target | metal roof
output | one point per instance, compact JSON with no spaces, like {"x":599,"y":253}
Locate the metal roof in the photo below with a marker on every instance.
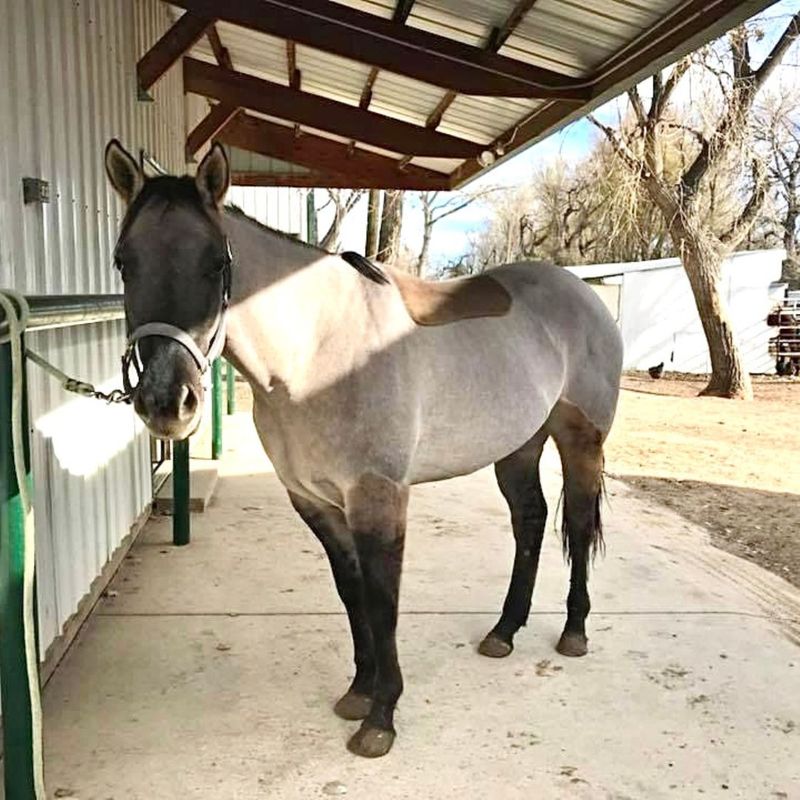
{"x":601,"y":47}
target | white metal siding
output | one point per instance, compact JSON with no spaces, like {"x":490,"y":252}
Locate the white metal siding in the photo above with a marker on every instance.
{"x":658,"y":317}
{"x":281,"y":208}
{"x":68,"y":84}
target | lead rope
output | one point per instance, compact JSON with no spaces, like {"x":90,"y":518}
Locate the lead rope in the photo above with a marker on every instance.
{"x":17,"y":321}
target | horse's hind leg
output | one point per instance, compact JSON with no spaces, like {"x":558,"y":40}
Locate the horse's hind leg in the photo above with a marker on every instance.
{"x":328,"y":525}
{"x":580,"y":445}
{"x":518,"y":478}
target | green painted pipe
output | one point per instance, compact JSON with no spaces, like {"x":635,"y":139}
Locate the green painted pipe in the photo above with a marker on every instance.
{"x":21,"y":736}
{"x":216,"y":409}
{"x":181,"y":523}
{"x":230,"y":378}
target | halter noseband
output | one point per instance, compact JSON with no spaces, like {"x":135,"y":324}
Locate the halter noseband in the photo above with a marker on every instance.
{"x":169,"y":331}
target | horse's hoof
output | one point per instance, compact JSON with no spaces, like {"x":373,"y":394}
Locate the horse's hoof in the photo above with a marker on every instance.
{"x":353,"y":706}
{"x":572,"y":644}
{"x":494,"y":647}
{"x":371,"y":742}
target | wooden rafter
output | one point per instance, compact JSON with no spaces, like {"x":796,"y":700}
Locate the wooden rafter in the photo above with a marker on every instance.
{"x":220,"y":114}
{"x":364,"y":37}
{"x":178,"y":40}
{"x":319,"y":112}
{"x":497,"y":38}
{"x":401,"y":12}
{"x":221,"y":52}
{"x":209,"y":127}
{"x":359,"y":169}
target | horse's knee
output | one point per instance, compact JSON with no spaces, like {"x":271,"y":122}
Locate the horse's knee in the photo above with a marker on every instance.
{"x":376,"y":505}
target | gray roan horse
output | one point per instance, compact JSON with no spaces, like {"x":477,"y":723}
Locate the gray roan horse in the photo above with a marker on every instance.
{"x":366,"y":381}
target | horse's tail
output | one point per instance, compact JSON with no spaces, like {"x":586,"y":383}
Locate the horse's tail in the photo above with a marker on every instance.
{"x":597,"y":543}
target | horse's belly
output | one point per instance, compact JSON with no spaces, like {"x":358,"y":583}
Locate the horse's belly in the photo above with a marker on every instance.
{"x":481,"y":406}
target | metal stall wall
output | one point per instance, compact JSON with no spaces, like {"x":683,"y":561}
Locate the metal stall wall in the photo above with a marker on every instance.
{"x":278,"y":207}
{"x":68,"y":84}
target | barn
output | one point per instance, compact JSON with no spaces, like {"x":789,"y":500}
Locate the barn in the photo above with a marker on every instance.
{"x":654,"y":307}
{"x":303,"y":94}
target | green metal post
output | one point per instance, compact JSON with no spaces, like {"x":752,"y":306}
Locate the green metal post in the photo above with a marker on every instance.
{"x":21,"y":710}
{"x":230,"y":379}
{"x":181,"y":524}
{"x":312,"y":235}
{"x":216,"y":409}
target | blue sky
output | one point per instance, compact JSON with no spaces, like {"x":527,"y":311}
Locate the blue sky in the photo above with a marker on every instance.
{"x":450,"y":236}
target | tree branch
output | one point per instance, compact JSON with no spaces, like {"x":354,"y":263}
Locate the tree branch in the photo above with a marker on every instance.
{"x":751,"y":210}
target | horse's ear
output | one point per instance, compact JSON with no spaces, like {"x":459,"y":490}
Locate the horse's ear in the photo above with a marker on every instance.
{"x":214,"y":176}
{"x":123,"y":171}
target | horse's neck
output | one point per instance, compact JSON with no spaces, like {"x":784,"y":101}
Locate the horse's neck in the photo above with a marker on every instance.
{"x":287,"y":298}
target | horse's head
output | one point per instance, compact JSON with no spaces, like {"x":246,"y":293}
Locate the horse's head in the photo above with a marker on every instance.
{"x":174,"y":259}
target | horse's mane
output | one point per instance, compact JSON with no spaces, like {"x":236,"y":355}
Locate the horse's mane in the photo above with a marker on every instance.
{"x":235,"y":211}
{"x":363,"y":265}
{"x":355,"y":260}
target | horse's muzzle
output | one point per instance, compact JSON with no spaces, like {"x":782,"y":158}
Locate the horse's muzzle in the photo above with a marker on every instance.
{"x":169,"y":411}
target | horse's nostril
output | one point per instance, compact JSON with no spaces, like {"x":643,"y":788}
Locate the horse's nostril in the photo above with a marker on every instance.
{"x":187,"y":403}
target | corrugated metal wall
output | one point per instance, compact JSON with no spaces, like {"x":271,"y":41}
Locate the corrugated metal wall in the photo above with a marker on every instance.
{"x":278,"y":207}
{"x":67,"y":84}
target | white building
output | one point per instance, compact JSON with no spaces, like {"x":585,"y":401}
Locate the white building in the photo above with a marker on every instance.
{"x":655,"y":309}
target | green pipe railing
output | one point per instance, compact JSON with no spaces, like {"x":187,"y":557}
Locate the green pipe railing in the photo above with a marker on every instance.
{"x":21,"y":737}
{"x":230,"y":380}
{"x":216,"y":409}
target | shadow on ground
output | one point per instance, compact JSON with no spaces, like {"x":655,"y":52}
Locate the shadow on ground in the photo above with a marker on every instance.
{"x":761,"y":526}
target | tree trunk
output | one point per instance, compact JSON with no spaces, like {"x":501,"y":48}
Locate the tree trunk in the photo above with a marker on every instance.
{"x":373,"y":222}
{"x":330,"y":241}
{"x":703,"y":266}
{"x":427,"y":230}
{"x":391,"y":225}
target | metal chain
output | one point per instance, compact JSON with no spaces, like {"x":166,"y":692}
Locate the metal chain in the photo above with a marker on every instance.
{"x":78,"y":387}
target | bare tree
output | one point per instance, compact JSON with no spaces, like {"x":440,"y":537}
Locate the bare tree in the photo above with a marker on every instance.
{"x":716,"y":145}
{"x":391,"y":226}
{"x":436,"y":206}
{"x":373,"y":223}
{"x":779,"y":129}
{"x":343,"y":202}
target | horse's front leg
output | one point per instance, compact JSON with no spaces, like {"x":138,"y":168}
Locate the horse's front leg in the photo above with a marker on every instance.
{"x":375,"y":510}
{"x":329,"y":526}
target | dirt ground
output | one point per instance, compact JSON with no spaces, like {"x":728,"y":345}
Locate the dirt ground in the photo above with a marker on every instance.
{"x":731,"y":466}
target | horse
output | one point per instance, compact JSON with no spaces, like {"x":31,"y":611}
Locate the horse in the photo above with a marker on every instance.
{"x":366,"y":381}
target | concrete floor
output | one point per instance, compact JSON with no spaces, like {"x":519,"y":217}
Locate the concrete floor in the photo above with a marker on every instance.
{"x":212,"y":671}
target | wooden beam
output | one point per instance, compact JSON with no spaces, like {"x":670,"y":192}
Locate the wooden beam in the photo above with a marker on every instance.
{"x":401,"y":11}
{"x":178,"y":40}
{"x":366,"y":92}
{"x":497,"y":38}
{"x":205,"y":130}
{"x":413,"y":52}
{"x":324,"y":180}
{"x":322,"y":155}
{"x":221,"y":53}
{"x":293,"y":73}
{"x":319,"y":112}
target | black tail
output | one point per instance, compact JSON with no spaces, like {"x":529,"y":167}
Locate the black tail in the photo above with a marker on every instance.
{"x":597,"y":543}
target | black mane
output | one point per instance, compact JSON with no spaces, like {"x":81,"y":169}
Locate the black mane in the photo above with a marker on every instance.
{"x":363,"y":265}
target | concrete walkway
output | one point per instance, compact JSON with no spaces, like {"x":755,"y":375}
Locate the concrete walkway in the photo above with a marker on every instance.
{"x":211,"y":670}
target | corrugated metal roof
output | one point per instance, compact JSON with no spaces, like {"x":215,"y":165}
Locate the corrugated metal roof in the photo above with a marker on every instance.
{"x":574,"y":38}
